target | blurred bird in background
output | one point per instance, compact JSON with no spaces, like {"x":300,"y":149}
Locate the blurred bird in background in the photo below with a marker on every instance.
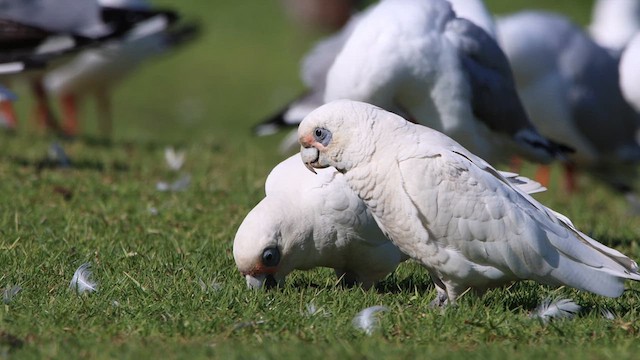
{"x":570,"y":88}
{"x":119,"y":33}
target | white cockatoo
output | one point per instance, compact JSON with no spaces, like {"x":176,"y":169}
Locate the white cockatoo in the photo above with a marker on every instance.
{"x":630,"y":72}
{"x":307,"y":221}
{"x":570,"y":88}
{"x":418,"y":59}
{"x":450,"y":210}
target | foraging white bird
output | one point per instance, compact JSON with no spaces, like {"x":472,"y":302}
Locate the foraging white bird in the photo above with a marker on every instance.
{"x":307,"y":221}
{"x":417,"y":59}
{"x":629,"y":68}
{"x":96,"y":71}
{"x":614,"y":22}
{"x":570,"y":88}
{"x":452,"y":211}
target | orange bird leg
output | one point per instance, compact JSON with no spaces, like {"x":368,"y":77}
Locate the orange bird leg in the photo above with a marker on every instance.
{"x":103,"y":104}
{"x":44,"y":114}
{"x":515,"y":164}
{"x":6,"y":107}
{"x":571,"y":179}
{"x":69,"y":105}
{"x":543,"y":174}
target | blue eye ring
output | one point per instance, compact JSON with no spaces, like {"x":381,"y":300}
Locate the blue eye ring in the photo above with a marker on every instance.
{"x":271,"y":257}
{"x":322,"y":135}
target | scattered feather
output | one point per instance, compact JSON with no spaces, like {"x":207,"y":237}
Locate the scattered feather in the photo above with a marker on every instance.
{"x":558,"y":309}
{"x":212,"y":285}
{"x":245,"y":324}
{"x":366,"y":319}
{"x":115,"y":303}
{"x":179,"y":185}
{"x":153,"y":210}
{"x":174,"y":159}
{"x":81,"y":281}
{"x":58,"y":156}
{"x":312,"y":309}
{"x":607,"y":314}
{"x":10,"y":292}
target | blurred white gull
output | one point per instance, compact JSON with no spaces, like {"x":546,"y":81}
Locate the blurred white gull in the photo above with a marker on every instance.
{"x":569,"y":86}
{"x":96,"y":71}
{"x":476,"y":12}
{"x":630,"y":72}
{"x":614,"y":22}
{"x":77,"y":17}
{"x":417,"y":59}
{"x":41,"y":32}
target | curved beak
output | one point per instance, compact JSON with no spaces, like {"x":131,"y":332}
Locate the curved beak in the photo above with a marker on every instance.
{"x":310,"y":156}
{"x":268,"y":281}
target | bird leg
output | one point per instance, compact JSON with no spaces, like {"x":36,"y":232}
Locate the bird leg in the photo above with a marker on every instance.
{"x":9,"y":113}
{"x":543,"y":175}
{"x":44,"y":114}
{"x":441,"y":299}
{"x":571,"y":179}
{"x":515,"y":164}
{"x":103,"y":104}
{"x":69,"y":104}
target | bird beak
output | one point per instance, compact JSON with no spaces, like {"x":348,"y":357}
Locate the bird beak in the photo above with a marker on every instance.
{"x":268,"y":281}
{"x":310,"y":156}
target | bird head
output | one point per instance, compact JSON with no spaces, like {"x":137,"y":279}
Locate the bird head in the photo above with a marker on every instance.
{"x":269,"y":244}
{"x":335,"y":134}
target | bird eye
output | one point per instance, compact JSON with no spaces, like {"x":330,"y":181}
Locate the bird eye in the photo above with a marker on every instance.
{"x":322,"y":136}
{"x":271,"y":257}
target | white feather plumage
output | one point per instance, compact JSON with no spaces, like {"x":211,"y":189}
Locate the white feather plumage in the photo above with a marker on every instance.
{"x":607,"y":314}
{"x":450,"y":210}
{"x":556,"y":309}
{"x":175,"y":159}
{"x":366,"y":319}
{"x":179,"y":185}
{"x":10,"y":292}
{"x":81,"y":281}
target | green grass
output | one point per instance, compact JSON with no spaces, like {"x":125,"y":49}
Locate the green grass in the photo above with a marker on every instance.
{"x":150,"y":304}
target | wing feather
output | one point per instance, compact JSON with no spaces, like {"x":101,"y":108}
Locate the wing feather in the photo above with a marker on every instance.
{"x":489,"y":221}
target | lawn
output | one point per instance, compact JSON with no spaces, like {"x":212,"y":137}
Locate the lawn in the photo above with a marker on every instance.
{"x":167,"y":283}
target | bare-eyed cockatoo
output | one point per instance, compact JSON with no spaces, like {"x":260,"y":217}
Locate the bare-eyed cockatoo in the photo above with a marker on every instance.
{"x":452,"y":211}
{"x":418,"y":59}
{"x":307,"y":221}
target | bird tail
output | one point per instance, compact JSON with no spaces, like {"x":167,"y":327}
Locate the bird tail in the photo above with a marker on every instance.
{"x":590,"y":265}
{"x":288,"y":116}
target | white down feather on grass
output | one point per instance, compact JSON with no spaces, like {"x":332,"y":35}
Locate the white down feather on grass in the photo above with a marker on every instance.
{"x":82,"y":280}
{"x":556,"y":309}
{"x":366,"y":320}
